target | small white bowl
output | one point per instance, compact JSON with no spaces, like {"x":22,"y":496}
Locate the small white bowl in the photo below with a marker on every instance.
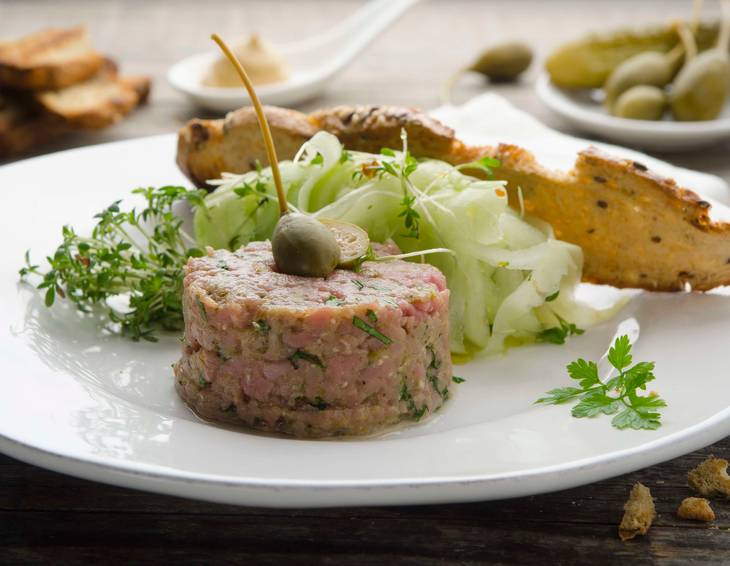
{"x":580,"y":109}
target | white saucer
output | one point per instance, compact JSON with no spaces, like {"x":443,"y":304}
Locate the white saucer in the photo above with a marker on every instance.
{"x":582,"y":111}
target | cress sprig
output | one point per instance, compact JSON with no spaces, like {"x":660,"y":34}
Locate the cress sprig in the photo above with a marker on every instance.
{"x":617,"y":396}
{"x":139,"y":254}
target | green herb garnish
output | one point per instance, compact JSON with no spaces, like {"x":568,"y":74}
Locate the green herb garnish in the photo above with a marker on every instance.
{"x":435,"y":362}
{"x":359,"y":284}
{"x":307,"y":357}
{"x":558,"y":334}
{"x":551,"y":298}
{"x":201,"y":308}
{"x":405,"y":395}
{"x":486,"y":164}
{"x":134,"y":255}
{"x":222,"y":354}
{"x":410,"y":217}
{"x":457,"y":379}
{"x":432,"y":374}
{"x":258,"y":189}
{"x":261,"y":326}
{"x":369,"y":255}
{"x":433,"y":380}
{"x":402,"y":168}
{"x":372,"y":331}
{"x":617,"y":396}
{"x":319,"y":403}
{"x":372,"y":317}
{"x":333,"y":301}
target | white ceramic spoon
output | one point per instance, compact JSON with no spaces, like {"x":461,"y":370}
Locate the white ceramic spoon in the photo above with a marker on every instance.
{"x":313,"y":62}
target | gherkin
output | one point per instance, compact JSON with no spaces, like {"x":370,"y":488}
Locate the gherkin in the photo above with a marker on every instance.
{"x":587,"y":63}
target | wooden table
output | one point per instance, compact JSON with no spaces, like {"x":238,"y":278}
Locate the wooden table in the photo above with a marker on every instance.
{"x":49,"y":517}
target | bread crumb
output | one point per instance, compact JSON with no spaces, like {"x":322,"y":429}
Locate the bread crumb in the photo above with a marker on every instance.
{"x":710,"y":478}
{"x":639,"y":512}
{"x":696,"y":509}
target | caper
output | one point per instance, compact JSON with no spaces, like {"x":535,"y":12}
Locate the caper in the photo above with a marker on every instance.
{"x":504,"y":61}
{"x":640,"y":103}
{"x":302,"y":245}
{"x":700,"y":91}
{"x":702,"y":86}
{"x":352,"y":240}
{"x":649,"y":68}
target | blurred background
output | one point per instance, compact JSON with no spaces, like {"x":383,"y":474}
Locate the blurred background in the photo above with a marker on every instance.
{"x":406,"y":65}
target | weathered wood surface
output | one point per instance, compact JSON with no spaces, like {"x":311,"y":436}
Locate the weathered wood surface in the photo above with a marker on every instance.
{"x":44,"y":516}
{"x":57,"y":519}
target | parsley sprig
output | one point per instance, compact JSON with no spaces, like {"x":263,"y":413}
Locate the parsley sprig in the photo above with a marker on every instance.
{"x":558,"y":334}
{"x":139,"y":255}
{"x":617,"y":396}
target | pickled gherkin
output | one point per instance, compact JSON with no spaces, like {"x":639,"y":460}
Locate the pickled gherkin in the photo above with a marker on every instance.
{"x":588,"y":62}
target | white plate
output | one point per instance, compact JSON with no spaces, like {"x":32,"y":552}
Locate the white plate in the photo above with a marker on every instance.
{"x":580,"y":110}
{"x":102,"y":407}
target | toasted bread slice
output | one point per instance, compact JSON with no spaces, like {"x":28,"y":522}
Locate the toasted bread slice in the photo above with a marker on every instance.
{"x":141,"y":84}
{"x":98,"y":102}
{"x":206,"y":148}
{"x":636,"y":229}
{"x":23,"y":127}
{"x":50,"y":59}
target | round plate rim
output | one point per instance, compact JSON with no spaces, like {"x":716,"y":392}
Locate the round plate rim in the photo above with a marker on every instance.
{"x":417,"y":490}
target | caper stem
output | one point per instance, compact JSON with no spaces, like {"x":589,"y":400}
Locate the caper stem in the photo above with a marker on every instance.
{"x":263,"y":123}
{"x":696,"y":14}
{"x":448,"y":85}
{"x":674,"y":56}
{"x":724,"y":38}
{"x":688,"y":41}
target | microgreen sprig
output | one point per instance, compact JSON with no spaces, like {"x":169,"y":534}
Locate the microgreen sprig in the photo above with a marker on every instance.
{"x":617,"y":396}
{"x":558,"y":334}
{"x":486,"y":164}
{"x":135,"y":254}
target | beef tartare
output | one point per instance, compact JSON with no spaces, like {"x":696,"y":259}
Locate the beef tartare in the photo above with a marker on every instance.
{"x":343,"y":355}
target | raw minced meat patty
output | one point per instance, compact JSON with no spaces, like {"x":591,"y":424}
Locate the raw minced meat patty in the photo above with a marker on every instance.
{"x":347,"y":354}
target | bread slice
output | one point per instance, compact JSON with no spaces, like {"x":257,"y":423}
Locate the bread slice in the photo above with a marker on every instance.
{"x":98,"y":102}
{"x":24,"y":127}
{"x":141,"y":84}
{"x":50,"y":59}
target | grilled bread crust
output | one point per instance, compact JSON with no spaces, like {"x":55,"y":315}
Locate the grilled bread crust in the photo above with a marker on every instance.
{"x":636,"y":229}
{"x":50,"y":59}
